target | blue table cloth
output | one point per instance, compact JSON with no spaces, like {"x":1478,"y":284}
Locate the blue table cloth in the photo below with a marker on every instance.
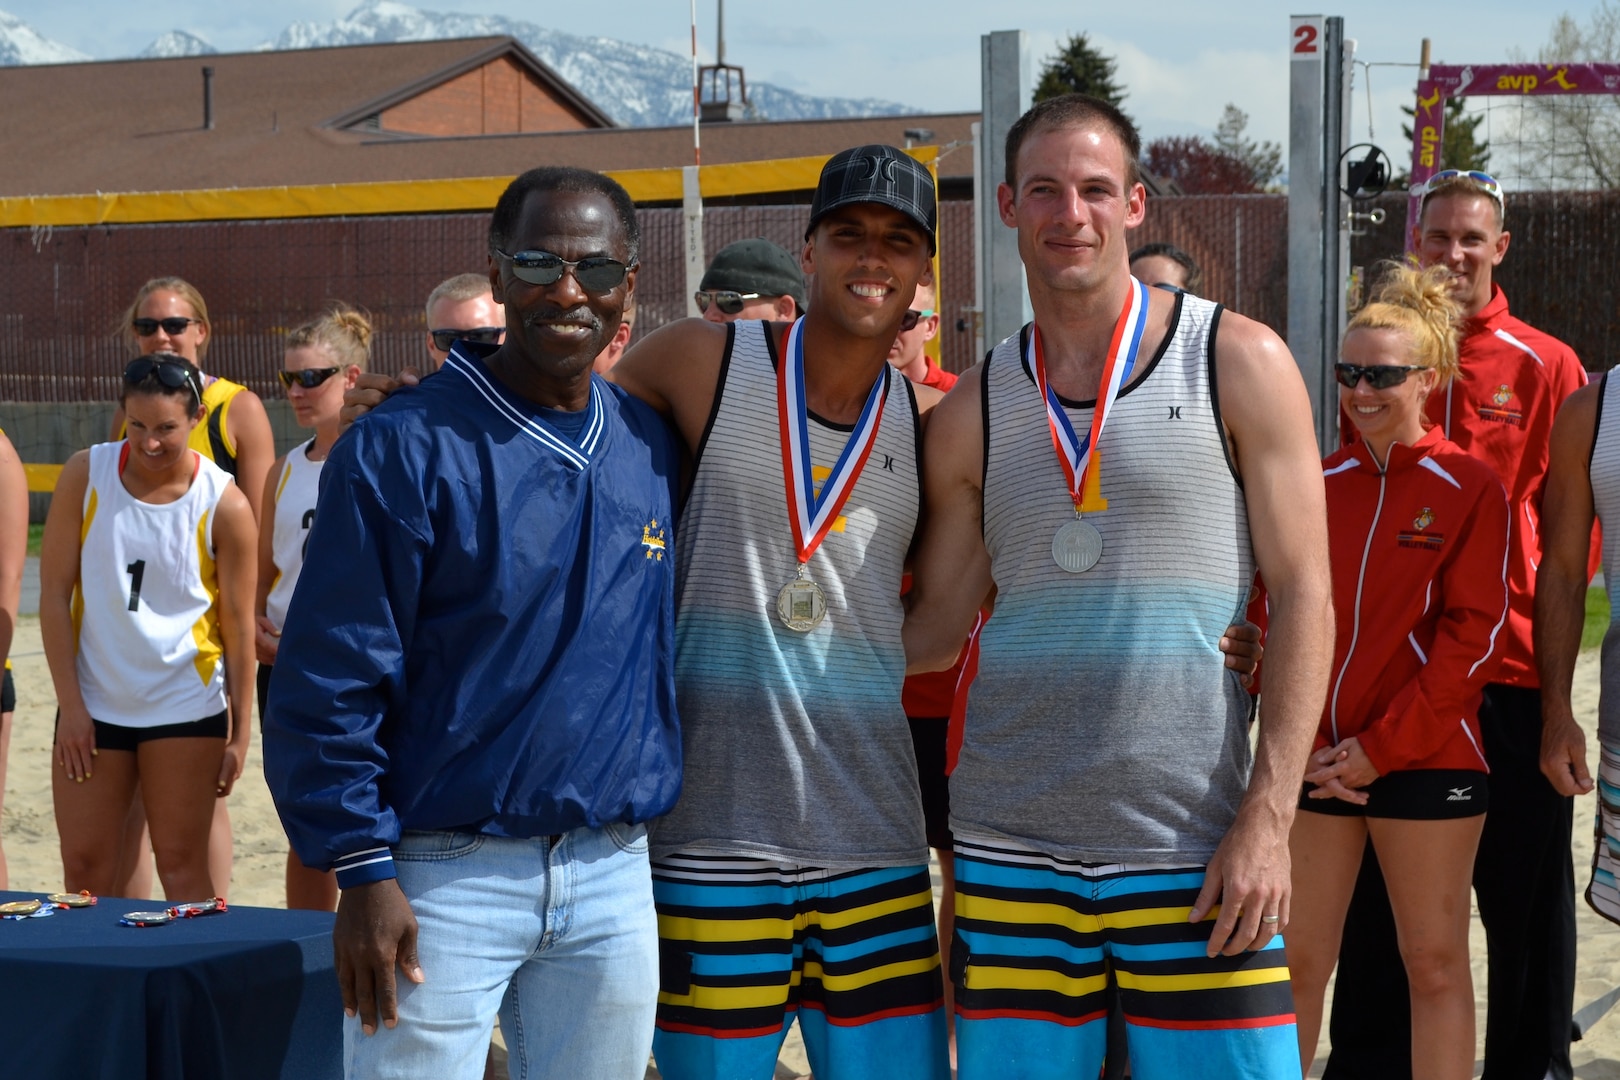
{"x":250,"y":993}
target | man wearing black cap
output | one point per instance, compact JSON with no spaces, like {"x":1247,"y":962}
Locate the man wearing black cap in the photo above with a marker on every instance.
{"x":792,"y":876}
{"x":752,"y":279}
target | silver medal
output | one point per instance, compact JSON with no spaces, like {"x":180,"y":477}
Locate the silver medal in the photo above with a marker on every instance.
{"x":801,"y":605}
{"x":1077,"y":546}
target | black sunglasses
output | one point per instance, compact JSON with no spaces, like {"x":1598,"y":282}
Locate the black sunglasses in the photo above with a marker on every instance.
{"x":484,"y":335}
{"x":173,"y":326}
{"x":171,"y":373}
{"x":728,"y":301}
{"x":912,"y":317}
{"x":309,"y":378}
{"x":597,"y":274}
{"x":1378,"y":376}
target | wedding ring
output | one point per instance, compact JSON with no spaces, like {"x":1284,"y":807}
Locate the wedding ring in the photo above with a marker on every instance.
{"x":1270,"y":918}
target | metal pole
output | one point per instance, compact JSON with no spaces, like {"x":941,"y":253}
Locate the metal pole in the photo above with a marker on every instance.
{"x":1306,"y":111}
{"x":1007,"y":85}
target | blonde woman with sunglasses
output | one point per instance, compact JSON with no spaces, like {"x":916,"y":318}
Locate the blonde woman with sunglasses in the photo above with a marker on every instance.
{"x":1418,"y":533}
{"x":168,"y":315}
{"x":324,"y":357}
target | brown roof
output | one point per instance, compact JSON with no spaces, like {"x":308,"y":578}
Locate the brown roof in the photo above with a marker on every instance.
{"x":308,"y":117}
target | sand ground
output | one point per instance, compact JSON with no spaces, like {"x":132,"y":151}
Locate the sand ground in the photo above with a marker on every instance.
{"x":28,"y":833}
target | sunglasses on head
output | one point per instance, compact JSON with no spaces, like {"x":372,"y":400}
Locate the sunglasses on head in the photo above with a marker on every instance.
{"x":597,"y":274}
{"x":170,"y":373}
{"x":173,"y":326}
{"x":309,"y":378}
{"x":1485,"y":180}
{"x":729,"y":301}
{"x":912,"y":317}
{"x":1378,"y":376}
{"x":484,"y":335}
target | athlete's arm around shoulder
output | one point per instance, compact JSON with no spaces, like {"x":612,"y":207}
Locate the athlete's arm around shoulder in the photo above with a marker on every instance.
{"x":950,"y":567}
{"x":1567,"y":512}
{"x":1267,"y":416}
{"x":676,"y":370}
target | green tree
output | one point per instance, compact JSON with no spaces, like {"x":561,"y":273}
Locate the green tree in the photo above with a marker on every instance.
{"x":1262,"y":159}
{"x":1078,"y":67}
{"x":1461,"y":146}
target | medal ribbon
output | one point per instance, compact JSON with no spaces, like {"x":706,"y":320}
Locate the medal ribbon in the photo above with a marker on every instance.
{"x":1076,"y":456}
{"x":810,"y":514}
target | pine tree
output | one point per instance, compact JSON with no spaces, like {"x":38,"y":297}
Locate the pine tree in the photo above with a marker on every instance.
{"x":1262,"y":159}
{"x":1078,"y":67}
{"x":1460,"y":144}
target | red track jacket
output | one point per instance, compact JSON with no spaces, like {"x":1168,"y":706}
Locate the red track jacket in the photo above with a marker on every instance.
{"x":1501,"y":411}
{"x":1420,"y":553}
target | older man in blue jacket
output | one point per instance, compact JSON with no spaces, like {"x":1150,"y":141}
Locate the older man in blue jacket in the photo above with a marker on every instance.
{"x":472,"y":713}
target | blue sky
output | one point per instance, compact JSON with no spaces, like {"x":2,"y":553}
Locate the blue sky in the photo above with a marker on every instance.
{"x":1180,"y":61}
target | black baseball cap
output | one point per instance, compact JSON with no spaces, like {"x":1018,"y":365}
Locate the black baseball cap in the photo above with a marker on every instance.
{"x":877,"y":174}
{"x":756,"y":266}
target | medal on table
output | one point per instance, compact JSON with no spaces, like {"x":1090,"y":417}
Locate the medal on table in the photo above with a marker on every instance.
{"x":1077,"y":545}
{"x":801,"y":604}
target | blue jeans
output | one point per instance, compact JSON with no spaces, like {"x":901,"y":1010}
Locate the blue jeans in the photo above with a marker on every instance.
{"x":559,"y":938}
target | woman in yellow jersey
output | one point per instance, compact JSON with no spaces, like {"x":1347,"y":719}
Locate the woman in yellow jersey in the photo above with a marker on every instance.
{"x":146,"y":594}
{"x":13,"y":550}
{"x":168,"y":315}
{"x":324,"y":357}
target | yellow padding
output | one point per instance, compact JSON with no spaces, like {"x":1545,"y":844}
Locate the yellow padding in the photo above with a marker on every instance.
{"x":390,"y":197}
{"x":42,"y":477}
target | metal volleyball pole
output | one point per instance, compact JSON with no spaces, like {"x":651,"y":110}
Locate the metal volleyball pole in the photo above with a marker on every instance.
{"x":691,"y":191}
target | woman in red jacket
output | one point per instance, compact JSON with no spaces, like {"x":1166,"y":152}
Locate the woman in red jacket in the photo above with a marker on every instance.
{"x":1418,"y":532}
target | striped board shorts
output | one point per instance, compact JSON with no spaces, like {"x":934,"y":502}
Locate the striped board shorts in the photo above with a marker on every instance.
{"x":1038,"y":940}
{"x":1604,"y":891}
{"x":745,"y":946}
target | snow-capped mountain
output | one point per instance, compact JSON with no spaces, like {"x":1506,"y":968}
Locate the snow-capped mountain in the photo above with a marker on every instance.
{"x":22,"y":44}
{"x":177,"y":43}
{"x":637,"y":85}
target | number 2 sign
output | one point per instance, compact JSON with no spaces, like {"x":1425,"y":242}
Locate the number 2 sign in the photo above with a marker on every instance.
{"x":1305,"y":37}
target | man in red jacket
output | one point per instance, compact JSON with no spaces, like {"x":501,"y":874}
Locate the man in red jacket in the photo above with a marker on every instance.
{"x":1501,"y":410}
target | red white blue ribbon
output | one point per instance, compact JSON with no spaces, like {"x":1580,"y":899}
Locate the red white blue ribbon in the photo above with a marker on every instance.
{"x":812,"y":514}
{"x":1076,"y":455}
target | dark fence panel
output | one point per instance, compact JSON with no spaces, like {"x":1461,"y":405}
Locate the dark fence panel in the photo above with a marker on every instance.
{"x":62,"y":290}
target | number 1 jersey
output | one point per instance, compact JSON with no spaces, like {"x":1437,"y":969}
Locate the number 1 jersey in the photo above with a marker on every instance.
{"x":146,"y":608}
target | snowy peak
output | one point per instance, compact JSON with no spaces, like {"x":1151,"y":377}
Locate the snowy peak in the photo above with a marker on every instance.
{"x":22,"y":44}
{"x":177,"y":43}
{"x":637,"y":85}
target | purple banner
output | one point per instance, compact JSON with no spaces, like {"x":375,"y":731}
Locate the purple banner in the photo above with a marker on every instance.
{"x":1497,"y":80}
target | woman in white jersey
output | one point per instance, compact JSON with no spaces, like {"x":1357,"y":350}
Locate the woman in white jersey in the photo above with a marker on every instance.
{"x":324,"y":357}
{"x":146,"y":610}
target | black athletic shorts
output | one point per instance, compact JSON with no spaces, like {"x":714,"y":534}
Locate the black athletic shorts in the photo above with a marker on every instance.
{"x":1412,"y":795}
{"x":928,"y":742}
{"x":8,"y":693}
{"x":117,"y":737}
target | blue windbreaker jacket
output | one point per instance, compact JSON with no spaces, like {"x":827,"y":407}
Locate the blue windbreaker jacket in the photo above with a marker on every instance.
{"x":482,"y":635}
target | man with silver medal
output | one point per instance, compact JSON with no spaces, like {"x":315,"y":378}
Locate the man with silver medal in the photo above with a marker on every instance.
{"x":1103,"y":778}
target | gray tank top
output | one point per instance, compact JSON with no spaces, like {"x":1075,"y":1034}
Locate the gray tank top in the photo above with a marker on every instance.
{"x":796,"y":747}
{"x":1604,"y":470}
{"x":1103,"y":725}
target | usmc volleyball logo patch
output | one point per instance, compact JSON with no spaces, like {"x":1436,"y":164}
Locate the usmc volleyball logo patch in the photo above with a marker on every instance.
{"x":1419,"y":536}
{"x":1501,"y":410}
